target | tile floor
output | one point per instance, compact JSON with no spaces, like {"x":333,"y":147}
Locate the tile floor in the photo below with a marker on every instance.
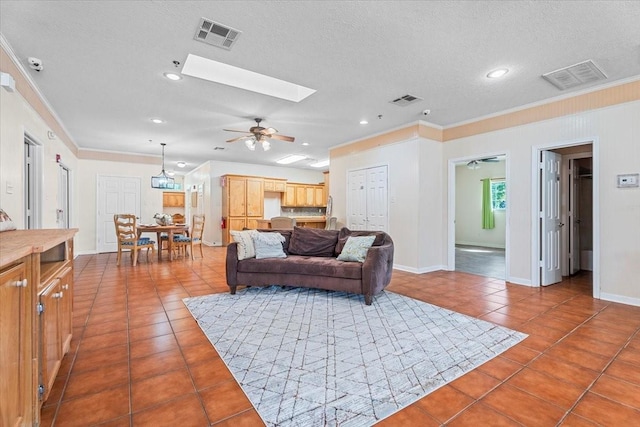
{"x":139,"y":359}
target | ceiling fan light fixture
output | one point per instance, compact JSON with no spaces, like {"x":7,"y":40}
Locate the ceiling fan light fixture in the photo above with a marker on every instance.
{"x":473,"y":165}
{"x":251,"y":144}
{"x":266,"y":145}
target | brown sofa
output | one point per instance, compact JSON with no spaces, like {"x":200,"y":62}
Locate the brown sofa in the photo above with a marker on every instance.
{"x":311,"y":262}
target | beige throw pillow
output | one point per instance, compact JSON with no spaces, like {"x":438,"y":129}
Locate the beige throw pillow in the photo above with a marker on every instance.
{"x":246,"y":249}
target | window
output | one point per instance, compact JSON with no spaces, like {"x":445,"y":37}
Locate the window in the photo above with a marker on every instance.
{"x":498,"y":195}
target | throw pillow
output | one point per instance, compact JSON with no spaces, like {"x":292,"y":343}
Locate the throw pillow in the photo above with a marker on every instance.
{"x":5,"y":222}
{"x":356,"y":248}
{"x":269,"y":245}
{"x":313,"y":242}
{"x":246,"y":249}
{"x":345,"y":233}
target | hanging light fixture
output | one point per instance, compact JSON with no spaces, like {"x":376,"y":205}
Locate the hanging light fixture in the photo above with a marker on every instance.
{"x":162,"y":180}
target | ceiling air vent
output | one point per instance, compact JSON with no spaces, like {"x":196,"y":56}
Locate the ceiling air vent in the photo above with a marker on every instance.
{"x":405,"y":100}
{"x":575,"y":75}
{"x":216,"y":34}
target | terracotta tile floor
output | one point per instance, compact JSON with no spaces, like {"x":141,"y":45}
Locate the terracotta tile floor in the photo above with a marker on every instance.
{"x":138,"y":358}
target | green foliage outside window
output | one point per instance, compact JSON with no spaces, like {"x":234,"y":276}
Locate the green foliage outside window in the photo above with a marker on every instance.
{"x":498,"y":195}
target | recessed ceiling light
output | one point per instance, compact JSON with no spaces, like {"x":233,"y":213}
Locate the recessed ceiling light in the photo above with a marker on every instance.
{"x":218,"y":72}
{"x":181,"y":164}
{"x":173,"y":76}
{"x":497,"y":73}
{"x":305,"y":143}
{"x":157,"y":121}
{"x":291,"y":159}
{"x":320,"y":164}
{"x":364,"y":122}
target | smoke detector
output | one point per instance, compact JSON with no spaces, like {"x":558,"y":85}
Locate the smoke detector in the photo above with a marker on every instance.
{"x":216,"y":34}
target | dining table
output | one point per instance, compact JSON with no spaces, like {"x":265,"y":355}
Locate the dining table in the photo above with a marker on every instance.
{"x":170,"y":229}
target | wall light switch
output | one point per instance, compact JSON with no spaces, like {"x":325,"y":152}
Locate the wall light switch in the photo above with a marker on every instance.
{"x":629,"y":180}
{"x":9,"y":188}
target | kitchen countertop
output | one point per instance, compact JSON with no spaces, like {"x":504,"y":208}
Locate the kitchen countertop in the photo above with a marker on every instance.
{"x":302,"y":219}
{"x":16,"y":244}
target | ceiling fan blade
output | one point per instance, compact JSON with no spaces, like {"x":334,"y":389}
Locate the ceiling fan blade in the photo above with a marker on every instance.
{"x":239,"y":138}
{"x":268,"y":131}
{"x":233,"y":130}
{"x":283,"y":138}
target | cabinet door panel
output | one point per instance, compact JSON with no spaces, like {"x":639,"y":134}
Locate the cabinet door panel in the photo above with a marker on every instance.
{"x":66,"y":308}
{"x":301,"y":196}
{"x":309,"y":193}
{"x":50,"y":344}
{"x":255,"y":197}
{"x":12,"y":356}
{"x":319,"y":197}
{"x":289,"y":196}
{"x":237,"y":197}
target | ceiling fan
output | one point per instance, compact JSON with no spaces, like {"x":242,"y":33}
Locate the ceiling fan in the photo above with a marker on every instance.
{"x":474,"y":164}
{"x":259,"y":134}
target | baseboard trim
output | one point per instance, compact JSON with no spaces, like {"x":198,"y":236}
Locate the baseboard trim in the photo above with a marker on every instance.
{"x":620,"y":298}
{"x":520,"y":281}
{"x":419,"y":270}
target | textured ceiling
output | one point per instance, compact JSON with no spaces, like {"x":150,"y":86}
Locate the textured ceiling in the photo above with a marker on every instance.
{"x":104,"y":63}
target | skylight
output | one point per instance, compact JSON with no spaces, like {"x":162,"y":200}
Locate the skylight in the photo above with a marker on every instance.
{"x":217,"y":72}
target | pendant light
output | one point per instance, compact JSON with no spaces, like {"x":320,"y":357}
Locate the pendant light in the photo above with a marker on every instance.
{"x":162,"y":180}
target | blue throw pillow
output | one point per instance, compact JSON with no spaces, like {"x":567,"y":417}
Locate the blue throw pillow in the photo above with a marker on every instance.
{"x":356,"y":248}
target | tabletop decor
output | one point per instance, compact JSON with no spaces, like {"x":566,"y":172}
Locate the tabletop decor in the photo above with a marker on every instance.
{"x":163,"y":218}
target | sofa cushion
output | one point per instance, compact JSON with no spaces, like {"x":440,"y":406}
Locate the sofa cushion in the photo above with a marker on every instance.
{"x":303,"y":265}
{"x":285,"y":233}
{"x":344,"y":234}
{"x":355,"y":250}
{"x":313,"y":242}
{"x":268,"y":245}
{"x":246,"y":248}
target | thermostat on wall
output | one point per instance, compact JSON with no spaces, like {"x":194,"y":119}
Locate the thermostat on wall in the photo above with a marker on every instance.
{"x":628,"y":180}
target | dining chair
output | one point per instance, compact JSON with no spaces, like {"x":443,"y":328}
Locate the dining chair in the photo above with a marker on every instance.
{"x":127,"y":235}
{"x":331,"y":223}
{"x":283,"y":223}
{"x":181,"y":242}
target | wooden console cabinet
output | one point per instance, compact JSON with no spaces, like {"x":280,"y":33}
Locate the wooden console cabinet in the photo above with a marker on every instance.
{"x":36,"y":304}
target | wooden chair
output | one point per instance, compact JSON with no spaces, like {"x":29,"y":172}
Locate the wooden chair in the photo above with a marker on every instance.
{"x":128,"y":238}
{"x":331,"y":223}
{"x":283,"y":223}
{"x":180,"y":242}
{"x":177,"y":218}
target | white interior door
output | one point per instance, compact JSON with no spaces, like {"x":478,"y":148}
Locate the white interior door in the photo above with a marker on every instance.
{"x":115,"y":195}
{"x":550,"y":218}
{"x":377,"y":198}
{"x":574,"y":218}
{"x":63,"y":211}
{"x":357,"y":200}
{"x":367,"y":199}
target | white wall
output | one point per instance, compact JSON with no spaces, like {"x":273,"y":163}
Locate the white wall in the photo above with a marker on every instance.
{"x":616,"y":130}
{"x":414,"y":195}
{"x":469,"y":206}
{"x":17,"y":117}
{"x":210,"y":172}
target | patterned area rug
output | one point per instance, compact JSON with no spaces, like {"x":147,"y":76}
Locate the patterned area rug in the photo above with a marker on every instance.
{"x":307,"y":357}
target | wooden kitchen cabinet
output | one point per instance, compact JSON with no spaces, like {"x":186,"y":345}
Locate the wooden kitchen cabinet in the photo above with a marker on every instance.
{"x":36,"y":290}
{"x":289,"y":196}
{"x":242,"y":202}
{"x":304,"y":195}
{"x":173,"y":199}
{"x":319,"y":198}
{"x":275,"y":185}
{"x":17,"y":388}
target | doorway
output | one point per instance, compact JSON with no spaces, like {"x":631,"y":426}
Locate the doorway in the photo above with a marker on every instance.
{"x":567,"y":244}
{"x":32,"y":183}
{"x":479,"y":193}
{"x":63,"y":213}
{"x":116,"y":194}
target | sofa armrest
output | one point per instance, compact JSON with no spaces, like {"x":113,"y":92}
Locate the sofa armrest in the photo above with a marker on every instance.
{"x":232,"y":265}
{"x":377,"y":268}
